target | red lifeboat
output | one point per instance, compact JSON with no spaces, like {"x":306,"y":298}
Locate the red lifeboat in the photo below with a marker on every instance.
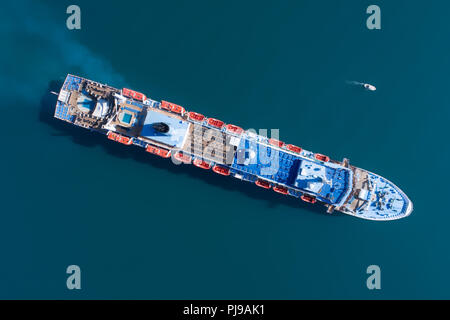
{"x":234,"y":129}
{"x":202,"y":164}
{"x":196,"y":116}
{"x":215,"y":123}
{"x":280,"y":189}
{"x":263,"y":184}
{"x":221,"y":170}
{"x":119,"y":138}
{"x":169,"y":106}
{"x":276,"y":142}
{"x":308,"y":198}
{"x":322,"y":157}
{"x":158,"y":151}
{"x":133,"y":94}
{"x":293,"y":148}
{"x":180,"y":156}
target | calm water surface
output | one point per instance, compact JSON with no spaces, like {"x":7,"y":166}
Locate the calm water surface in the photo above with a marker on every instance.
{"x":140,"y":227}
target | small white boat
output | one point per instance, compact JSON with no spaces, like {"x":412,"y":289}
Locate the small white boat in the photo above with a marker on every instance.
{"x":369,"y":87}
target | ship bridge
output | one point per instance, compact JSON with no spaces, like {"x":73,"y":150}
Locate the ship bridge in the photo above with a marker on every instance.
{"x":328,"y":182}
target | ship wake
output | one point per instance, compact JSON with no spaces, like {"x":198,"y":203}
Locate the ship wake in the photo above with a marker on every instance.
{"x":37,"y":47}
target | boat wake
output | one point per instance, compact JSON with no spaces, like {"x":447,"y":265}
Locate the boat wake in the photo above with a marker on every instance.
{"x":355,"y":83}
{"x":37,"y":47}
{"x":366,"y":86}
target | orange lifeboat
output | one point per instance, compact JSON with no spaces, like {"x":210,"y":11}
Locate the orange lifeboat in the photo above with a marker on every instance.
{"x":133,"y":94}
{"x":280,"y":189}
{"x":293,"y":148}
{"x":234,"y":129}
{"x":172,"y":107}
{"x":126,"y":92}
{"x":322,"y":157}
{"x":221,"y":170}
{"x":119,"y":138}
{"x":196,"y":116}
{"x":158,"y":151}
{"x":202,"y":164}
{"x":263,"y":184}
{"x":308,"y":198}
{"x":215,"y":123}
{"x":276,"y":142}
{"x":180,"y":156}
{"x":177,"y":109}
{"x":165,"y":105}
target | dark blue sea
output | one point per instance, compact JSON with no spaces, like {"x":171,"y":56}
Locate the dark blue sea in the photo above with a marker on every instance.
{"x":140,"y":227}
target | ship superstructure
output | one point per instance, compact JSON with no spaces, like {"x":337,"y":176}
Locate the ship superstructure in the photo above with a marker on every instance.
{"x":169,"y":131}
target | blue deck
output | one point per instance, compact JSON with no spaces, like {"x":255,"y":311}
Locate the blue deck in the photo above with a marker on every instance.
{"x":254,"y":160}
{"x":62,"y":112}
{"x":72,"y":83}
{"x":173,"y":138}
{"x":328,"y":183}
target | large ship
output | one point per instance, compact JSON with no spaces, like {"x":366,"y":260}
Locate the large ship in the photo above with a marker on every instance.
{"x":167,"y":130}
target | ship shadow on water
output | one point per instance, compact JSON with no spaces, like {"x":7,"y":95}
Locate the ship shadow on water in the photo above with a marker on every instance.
{"x":86,"y":138}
